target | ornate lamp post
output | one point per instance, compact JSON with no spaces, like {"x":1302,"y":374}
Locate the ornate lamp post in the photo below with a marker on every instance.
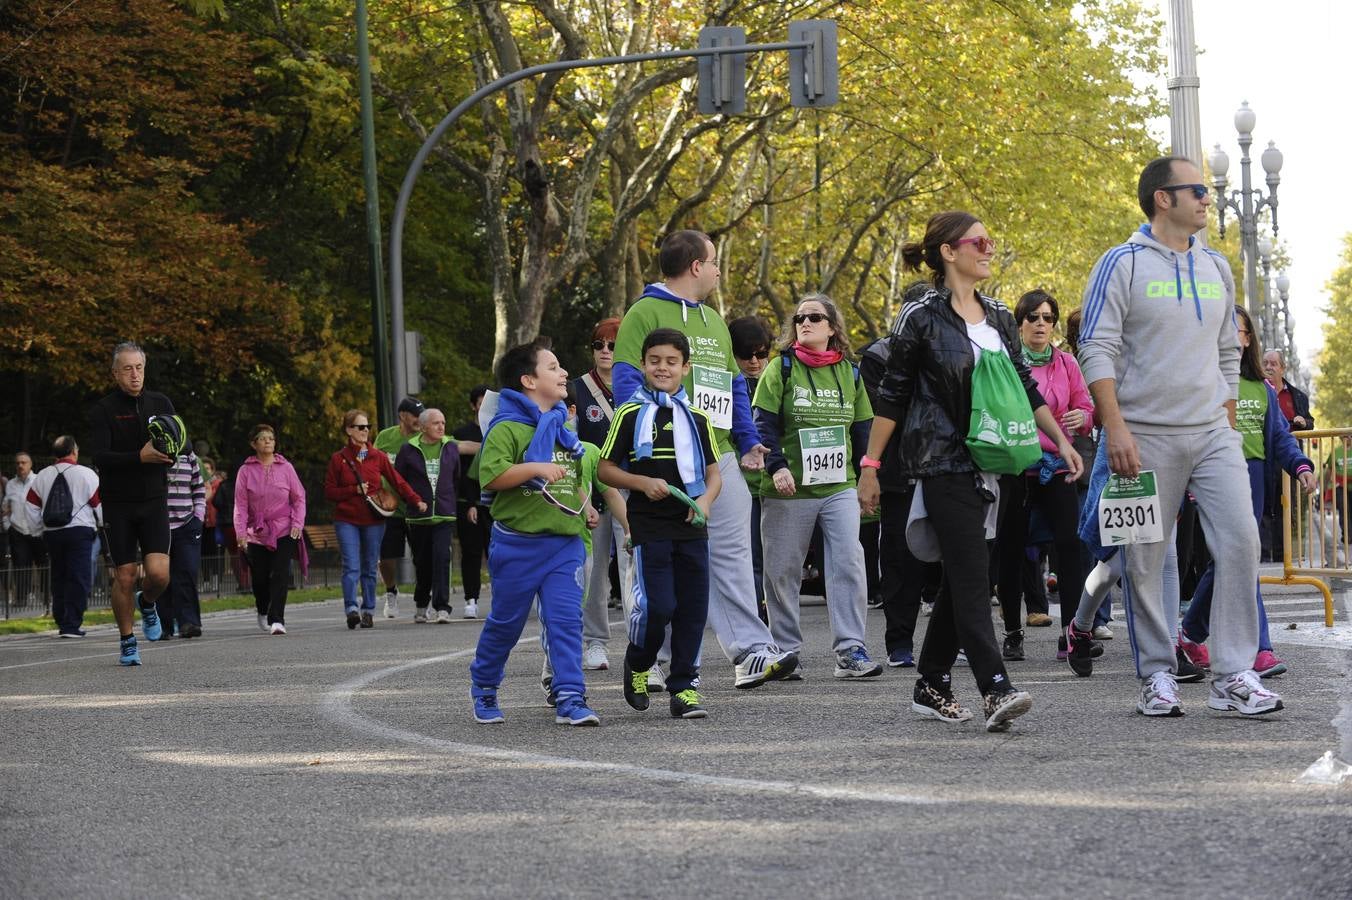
{"x":1247,"y":203}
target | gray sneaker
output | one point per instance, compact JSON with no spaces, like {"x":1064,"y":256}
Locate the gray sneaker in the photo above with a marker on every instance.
{"x":855,"y":663}
{"x":1243,"y":693}
{"x":1159,"y":696}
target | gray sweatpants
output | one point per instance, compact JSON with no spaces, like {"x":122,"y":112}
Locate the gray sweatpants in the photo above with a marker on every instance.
{"x":732,"y":586}
{"x":595,"y":615}
{"x":1211,"y":465}
{"x":786,"y":532}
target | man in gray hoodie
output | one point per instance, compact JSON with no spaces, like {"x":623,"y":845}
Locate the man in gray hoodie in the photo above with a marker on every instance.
{"x":1160,"y":351}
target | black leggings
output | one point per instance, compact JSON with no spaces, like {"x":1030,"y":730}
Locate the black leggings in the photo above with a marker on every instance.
{"x":1060,"y":506}
{"x":962,"y":617}
{"x":473,"y":544}
{"x":272,"y":577}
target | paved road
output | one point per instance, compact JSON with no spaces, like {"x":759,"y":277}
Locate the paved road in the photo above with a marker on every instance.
{"x":331,"y":763}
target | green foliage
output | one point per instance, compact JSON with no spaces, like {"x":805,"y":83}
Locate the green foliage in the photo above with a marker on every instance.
{"x":1333,"y":384}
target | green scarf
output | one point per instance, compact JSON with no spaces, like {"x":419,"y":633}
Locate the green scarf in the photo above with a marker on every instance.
{"x":1037,"y":359}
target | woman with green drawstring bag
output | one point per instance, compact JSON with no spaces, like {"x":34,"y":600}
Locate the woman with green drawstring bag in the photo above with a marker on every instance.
{"x":949,"y":395}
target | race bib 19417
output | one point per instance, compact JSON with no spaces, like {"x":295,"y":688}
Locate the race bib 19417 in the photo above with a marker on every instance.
{"x":1129,"y":511}
{"x":713,"y":394}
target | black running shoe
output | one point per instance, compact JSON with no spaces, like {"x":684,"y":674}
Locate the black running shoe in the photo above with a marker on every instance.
{"x":366,"y":621}
{"x":353,"y":619}
{"x":1187,"y":672}
{"x":1013,"y":648}
{"x":1080,"y":655}
{"x":685,"y":705}
{"x":635,"y":687}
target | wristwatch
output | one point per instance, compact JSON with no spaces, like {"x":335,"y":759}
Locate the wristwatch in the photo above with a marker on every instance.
{"x":869,"y":462}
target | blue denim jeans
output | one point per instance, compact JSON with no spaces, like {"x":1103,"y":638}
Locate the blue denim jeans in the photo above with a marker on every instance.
{"x":359,"y":546}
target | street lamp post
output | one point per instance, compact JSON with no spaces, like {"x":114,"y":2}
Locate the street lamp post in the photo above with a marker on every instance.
{"x":1247,"y":202}
{"x":1288,"y":335}
{"x":1268,"y":327}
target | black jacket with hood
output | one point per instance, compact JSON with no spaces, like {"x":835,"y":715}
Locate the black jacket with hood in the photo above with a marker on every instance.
{"x":927,"y":388}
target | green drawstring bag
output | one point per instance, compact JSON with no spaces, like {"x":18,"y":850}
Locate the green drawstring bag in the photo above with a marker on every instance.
{"x":1002,"y":436}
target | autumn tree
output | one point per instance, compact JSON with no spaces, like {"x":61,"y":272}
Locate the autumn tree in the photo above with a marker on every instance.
{"x":1333,"y":383}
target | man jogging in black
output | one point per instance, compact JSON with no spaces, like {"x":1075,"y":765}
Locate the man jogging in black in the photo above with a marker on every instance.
{"x":133,"y":485}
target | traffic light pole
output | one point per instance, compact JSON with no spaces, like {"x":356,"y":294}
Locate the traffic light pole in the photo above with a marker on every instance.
{"x":811,"y":48}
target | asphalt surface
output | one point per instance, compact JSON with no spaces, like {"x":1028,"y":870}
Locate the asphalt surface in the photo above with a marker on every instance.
{"x":330,"y":763}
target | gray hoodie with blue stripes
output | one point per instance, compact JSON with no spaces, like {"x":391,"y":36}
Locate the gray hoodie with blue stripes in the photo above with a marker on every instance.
{"x":1161,"y":324}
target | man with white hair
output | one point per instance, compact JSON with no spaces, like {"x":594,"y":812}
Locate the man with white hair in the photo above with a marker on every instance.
{"x":430,"y":463}
{"x":133,"y":484}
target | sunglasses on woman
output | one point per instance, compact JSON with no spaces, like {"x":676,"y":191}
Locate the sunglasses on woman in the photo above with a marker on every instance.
{"x":814,"y":318}
{"x":364,"y":426}
{"x":603,"y":345}
{"x":755,"y":354}
{"x":983,"y":244}
{"x":1040,"y":317}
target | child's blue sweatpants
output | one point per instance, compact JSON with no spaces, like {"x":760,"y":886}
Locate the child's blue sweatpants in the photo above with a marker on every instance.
{"x":522,"y":566}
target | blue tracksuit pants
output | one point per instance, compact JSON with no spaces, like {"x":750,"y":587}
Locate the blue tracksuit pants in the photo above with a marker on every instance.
{"x":671,"y":587}
{"x":523,"y":566}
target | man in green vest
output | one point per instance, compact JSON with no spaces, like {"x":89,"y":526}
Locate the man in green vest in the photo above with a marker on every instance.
{"x":396,"y":532}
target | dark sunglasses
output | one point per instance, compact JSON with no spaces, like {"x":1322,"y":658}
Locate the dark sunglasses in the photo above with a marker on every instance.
{"x":814,"y":318}
{"x":603,"y":345}
{"x":756,"y":354}
{"x":365,"y":427}
{"x":1049,"y":318}
{"x":1198,"y":190}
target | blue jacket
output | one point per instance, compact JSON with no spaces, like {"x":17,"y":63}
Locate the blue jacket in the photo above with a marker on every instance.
{"x":1282,"y":450}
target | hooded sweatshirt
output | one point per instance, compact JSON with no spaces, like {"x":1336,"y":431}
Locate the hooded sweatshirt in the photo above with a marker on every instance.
{"x":1161,"y":324}
{"x":710,"y":350}
{"x":269,"y":501}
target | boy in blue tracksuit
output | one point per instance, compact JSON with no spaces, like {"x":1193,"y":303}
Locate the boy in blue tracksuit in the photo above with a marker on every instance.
{"x":530,"y":460}
{"x":657,"y":441}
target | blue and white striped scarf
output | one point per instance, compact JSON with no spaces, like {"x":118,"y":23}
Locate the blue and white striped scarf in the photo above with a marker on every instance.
{"x":690,"y":462}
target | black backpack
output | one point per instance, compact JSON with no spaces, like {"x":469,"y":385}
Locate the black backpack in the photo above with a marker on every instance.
{"x":59,"y":507}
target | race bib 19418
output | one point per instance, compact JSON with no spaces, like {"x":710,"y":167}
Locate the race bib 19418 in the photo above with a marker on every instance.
{"x":1129,"y":511}
{"x":823,"y":454}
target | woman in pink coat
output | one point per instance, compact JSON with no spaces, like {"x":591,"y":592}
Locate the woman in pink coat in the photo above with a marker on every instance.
{"x":1062,"y":385}
{"x":269,"y":516}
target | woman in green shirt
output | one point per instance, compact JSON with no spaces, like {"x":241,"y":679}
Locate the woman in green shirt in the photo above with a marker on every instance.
{"x":812,"y":412}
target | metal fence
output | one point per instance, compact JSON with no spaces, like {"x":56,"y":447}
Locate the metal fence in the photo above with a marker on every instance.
{"x":26,"y":591}
{"x":1315,"y":533}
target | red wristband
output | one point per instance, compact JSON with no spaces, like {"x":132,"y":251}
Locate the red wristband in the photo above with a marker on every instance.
{"x":869,"y":463}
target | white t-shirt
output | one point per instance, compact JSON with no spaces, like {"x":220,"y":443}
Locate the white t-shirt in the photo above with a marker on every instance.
{"x":985,"y":337}
{"x":84,"y":489}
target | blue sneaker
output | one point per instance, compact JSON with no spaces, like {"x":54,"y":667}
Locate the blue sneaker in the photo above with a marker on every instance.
{"x":130,"y":655}
{"x":150,"y":620}
{"x":573,"y":710}
{"x":901,"y":659}
{"x":855,"y":663}
{"x":486,"y":710}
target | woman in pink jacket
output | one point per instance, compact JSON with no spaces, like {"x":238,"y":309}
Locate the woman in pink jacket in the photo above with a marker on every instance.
{"x":269,"y":516}
{"x":1062,"y":385}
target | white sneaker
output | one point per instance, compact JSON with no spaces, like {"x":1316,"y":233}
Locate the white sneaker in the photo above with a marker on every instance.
{"x":471,"y":609}
{"x":263,"y":623}
{"x":1159,"y":696}
{"x":595,"y":658}
{"x":1243,"y":693}
{"x":961,"y":659}
{"x":766,"y":664}
{"x":443,"y":616}
{"x":926,"y":609}
{"x":278,"y":628}
{"x":391,"y":605}
{"x":420,"y":615}
{"x":1102,"y":633}
{"x":657,"y":679}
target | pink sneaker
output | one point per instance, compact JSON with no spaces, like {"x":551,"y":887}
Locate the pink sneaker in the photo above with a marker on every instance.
{"x":1197,"y":654}
{"x":1266,"y":664}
